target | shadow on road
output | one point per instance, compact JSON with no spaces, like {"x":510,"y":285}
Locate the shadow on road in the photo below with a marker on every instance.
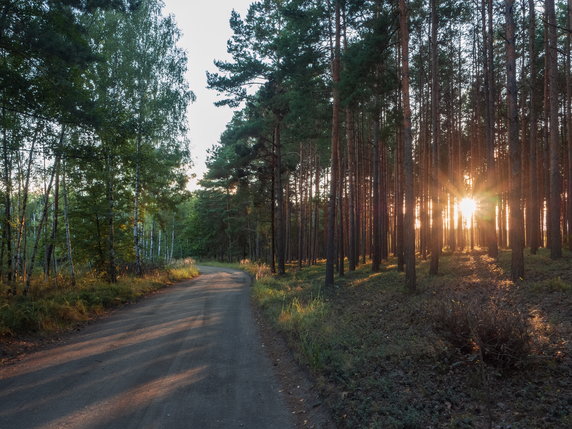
{"x":185,"y":358}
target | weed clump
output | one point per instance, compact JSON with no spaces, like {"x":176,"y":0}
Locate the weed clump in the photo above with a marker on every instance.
{"x":555,"y":284}
{"x":498,"y":334}
{"x":258,"y":270}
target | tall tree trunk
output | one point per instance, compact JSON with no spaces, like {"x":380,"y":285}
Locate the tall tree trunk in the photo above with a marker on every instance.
{"x":279,"y":194}
{"x":555,"y":200}
{"x":331,"y":245}
{"x":55,"y":214}
{"x":136,"y":198}
{"x":409,"y":221}
{"x":7,"y":221}
{"x":341,"y":219}
{"x":172,"y":240}
{"x":399,"y":185}
{"x":491,"y":179}
{"x":533,"y":197}
{"x":111,"y":269}
{"x":20,"y":262}
{"x":569,"y":117}
{"x":68,"y":233}
{"x":376,"y":215}
{"x":300,"y":196}
{"x":515,"y":209}
{"x":352,"y":236}
{"x":384,"y":215}
{"x":436,"y":130}
{"x":273,"y":219}
{"x":30,"y":269}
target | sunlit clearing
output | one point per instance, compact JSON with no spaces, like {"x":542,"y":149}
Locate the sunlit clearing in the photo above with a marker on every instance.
{"x":468,"y":206}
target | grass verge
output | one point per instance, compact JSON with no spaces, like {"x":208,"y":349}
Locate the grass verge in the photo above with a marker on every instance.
{"x":385,"y":359}
{"x":48,"y":310}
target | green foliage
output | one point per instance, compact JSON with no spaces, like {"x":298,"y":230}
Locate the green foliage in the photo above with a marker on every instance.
{"x":93,"y":94}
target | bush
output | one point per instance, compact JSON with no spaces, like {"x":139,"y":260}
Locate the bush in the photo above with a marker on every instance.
{"x":499,"y":334}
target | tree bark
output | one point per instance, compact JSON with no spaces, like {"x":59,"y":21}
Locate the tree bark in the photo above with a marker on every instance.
{"x":352,"y":248}
{"x":376,"y":215}
{"x":436,"y":129}
{"x":491,"y":178}
{"x":409,"y":220}
{"x":111,"y":269}
{"x":516,"y":226}
{"x":20,"y":262}
{"x":55,"y":214}
{"x":569,"y":117}
{"x":533,"y":197}
{"x":68,"y":233}
{"x":30,"y":269}
{"x":279,"y":194}
{"x":7,"y":221}
{"x":554,"y":146}
{"x":136,"y":210}
{"x":331,"y":245}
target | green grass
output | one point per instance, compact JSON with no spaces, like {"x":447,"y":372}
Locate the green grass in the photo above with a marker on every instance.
{"x":49,"y":309}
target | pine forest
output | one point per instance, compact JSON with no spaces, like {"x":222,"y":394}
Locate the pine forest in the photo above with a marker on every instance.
{"x":396,"y":178}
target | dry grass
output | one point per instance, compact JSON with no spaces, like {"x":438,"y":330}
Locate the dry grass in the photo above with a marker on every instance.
{"x":470,"y":349}
{"x":59,"y":306}
{"x":500,"y":335}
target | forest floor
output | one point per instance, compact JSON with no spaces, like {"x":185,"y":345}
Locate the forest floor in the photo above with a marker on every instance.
{"x":470,"y":349}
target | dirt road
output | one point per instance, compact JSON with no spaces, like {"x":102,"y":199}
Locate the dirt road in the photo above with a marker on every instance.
{"x":188,"y":357}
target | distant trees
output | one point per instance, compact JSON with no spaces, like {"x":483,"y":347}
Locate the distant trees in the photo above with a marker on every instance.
{"x":93,"y":106}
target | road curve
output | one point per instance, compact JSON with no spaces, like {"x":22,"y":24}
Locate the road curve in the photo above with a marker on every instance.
{"x":188,"y":357}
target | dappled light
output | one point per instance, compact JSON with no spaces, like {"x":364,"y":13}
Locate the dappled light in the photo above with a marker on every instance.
{"x":387,"y":189}
{"x":164,"y":361}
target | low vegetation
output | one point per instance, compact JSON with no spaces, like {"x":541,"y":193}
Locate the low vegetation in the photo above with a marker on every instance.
{"x":55,"y":308}
{"x":470,"y":349}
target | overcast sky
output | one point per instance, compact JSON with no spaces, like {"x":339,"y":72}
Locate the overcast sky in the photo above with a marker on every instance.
{"x":205,"y":30}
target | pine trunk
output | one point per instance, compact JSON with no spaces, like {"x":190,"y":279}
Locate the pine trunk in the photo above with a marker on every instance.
{"x":331,"y":233}
{"x":533,"y":196}
{"x":436,"y":130}
{"x":279,"y":194}
{"x":554,"y":145}
{"x":409,"y":220}
{"x":515,"y":209}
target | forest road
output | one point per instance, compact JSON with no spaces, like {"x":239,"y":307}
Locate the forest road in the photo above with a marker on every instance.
{"x":188,"y":357}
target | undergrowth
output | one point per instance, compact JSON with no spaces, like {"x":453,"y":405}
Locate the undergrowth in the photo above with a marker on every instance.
{"x":52,"y":309}
{"x":444,"y":357}
{"x":498,"y":334}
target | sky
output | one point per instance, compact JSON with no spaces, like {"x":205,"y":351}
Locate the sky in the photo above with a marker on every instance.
{"x":205,"y":29}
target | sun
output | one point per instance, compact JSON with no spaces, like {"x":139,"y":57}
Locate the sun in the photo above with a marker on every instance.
{"x":468,"y":206}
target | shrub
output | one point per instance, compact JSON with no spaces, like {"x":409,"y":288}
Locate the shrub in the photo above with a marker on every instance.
{"x":499,"y":334}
